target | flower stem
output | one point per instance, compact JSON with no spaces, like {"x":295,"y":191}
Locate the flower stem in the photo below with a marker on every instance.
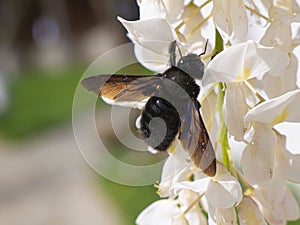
{"x":222,"y":137}
{"x":193,"y":203}
{"x":251,"y":88}
{"x":257,"y":13}
{"x":198,"y":26}
{"x":186,"y":19}
{"x":237,"y":215}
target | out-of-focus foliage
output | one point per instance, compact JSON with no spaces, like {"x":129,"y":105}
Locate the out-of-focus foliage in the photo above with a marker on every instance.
{"x":131,"y":200}
{"x":40,"y":99}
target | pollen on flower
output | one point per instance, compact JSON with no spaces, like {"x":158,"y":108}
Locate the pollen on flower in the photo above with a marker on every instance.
{"x":244,"y":74}
{"x":280,"y":117}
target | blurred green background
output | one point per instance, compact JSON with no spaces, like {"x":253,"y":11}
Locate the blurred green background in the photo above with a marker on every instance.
{"x":45,"y":47}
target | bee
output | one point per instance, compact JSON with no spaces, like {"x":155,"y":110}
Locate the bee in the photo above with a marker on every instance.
{"x":171,"y":108}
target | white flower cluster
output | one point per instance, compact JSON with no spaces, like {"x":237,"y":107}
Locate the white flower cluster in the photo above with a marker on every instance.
{"x":250,"y":79}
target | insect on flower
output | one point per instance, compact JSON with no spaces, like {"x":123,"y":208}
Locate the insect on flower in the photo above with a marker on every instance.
{"x":171,"y":108}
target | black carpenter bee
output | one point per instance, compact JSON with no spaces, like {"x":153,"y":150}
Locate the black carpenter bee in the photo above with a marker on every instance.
{"x":171,"y":109}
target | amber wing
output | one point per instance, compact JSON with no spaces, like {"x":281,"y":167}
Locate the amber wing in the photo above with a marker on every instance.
{"x":127,"y":88}
{"x":195,"y":140}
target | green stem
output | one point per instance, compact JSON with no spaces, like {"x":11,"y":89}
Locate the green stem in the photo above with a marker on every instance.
{"x":222,"y":137}
{"x":237,"y":215}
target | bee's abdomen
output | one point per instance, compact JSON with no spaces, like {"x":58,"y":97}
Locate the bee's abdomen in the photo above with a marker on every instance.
{"x":160,"y":123}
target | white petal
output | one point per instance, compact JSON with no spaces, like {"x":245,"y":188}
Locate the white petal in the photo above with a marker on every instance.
{"x":276,"y":110}
{"x":224,"y":191}
{"x":199,"y":186}
{"x":151,"y":9}
{"x":196,"y":217}
{"x":221,"y":15}
{"x":161,"y":212}
{"x":235,"y":110}
{"x":278,"y":35}
{"x":244,"y":61}
{"x":283,"y":11}
{"x":222,"y":216}
{"x":278,"y":212}
{"x":148,"y":33}
{"x":273,"y":199}
{"x":258,"y":157}
{"x":150,"y":59}
{"x":161,"y":9}
{"x":223,"y":194}
{"x":180,"y":221}
{"x":226,"y":66}
{"x":275,"y":59}
{"x":281,"y":170}
{"x":175,"y":170}
{"x":226,"y":216}
{"x":239,"y":19}
{"x":230,"y":17}
{"x":249,"y":213}
{"x":275,"y":86}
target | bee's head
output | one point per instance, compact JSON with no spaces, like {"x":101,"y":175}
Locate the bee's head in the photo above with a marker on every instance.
{"x":192,"y":65}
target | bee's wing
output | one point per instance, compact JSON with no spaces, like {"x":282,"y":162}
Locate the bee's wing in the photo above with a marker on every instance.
{"x":123,"y":88}
{"x":195,"y":140}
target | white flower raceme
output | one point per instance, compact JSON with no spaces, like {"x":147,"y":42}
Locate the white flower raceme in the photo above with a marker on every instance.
{"x":246,"y":90}
{"x":157,"y":27}
{"x":271,"y":112}
{"x":277,"y":202}
{"x":236,"y":65}
{"x":279,"y":35}
{"x":151,"y":45}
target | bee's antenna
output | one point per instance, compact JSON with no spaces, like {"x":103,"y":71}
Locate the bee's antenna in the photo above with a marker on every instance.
{"x":204,"y":48}
{"x":172,"y":51}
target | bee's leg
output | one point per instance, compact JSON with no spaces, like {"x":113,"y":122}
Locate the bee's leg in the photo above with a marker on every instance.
{"x":204,"y":48}
{"x":172,"y":52}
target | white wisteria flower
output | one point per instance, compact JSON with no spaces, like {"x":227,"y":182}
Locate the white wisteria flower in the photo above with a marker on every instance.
{"x":221,"y":191}
{"x":151,"y":45}
{"x":177,"y":168}
{"x":235,"y":66}
{"x":243,"y":62}
{"x":278,"y":204}
{"x":249,"y":212}
{"x":249,"y":86}
{"x":230,"y":18}
{"x":161,"y":9}
{"x":181,"y":211}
